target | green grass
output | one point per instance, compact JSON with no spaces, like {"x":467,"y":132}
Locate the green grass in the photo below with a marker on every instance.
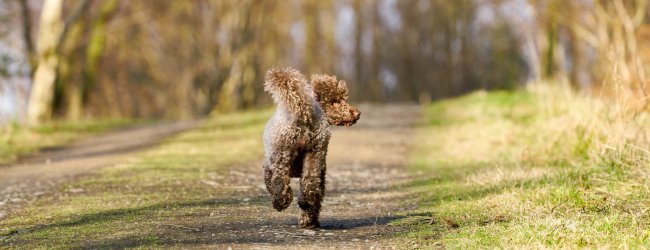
{"x":529,"y":169}
{"x":16,"y":140}
{"x":139,"y":203}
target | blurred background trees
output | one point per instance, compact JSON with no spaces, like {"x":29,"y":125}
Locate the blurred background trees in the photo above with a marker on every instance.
{"x":182,"y":59}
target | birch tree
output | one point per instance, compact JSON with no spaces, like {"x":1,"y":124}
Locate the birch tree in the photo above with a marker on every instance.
{"x":50,"y":36}
{"x":42,"y":94}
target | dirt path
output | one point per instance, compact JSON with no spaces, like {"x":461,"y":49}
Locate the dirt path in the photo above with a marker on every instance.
{"x":36,"y":175}
{"x":365,"y":164}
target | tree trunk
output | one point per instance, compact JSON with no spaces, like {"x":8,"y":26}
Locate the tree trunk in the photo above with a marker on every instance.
{"x":313,"y":43}
{"x":229,"y":96}
{"x":27,"y":35}
{"x":42,"y":94}
{"x":77,"y":90}
{"x":375,"y":62}
{"x":358,"y":50}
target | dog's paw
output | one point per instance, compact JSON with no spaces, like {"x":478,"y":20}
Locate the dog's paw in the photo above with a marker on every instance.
{"x":283,"y":200}
{"x":308,"y":221}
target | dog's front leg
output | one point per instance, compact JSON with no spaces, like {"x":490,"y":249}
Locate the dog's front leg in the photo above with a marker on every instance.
{"x":312,"y":188}
{"x":277,"y":179}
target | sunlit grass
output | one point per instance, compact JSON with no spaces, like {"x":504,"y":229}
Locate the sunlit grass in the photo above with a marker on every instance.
{"x":134,"y":203}
{"x":16,"y":140}
{"x":539,"y":168}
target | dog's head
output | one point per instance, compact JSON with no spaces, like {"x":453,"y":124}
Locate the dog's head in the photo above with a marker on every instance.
{"x":332,"y":96}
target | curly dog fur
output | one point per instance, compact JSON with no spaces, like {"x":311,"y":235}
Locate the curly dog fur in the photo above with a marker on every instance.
{"x":297,"y":135}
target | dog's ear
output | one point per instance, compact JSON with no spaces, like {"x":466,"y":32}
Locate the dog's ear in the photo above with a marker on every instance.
{"x":328,"y":89}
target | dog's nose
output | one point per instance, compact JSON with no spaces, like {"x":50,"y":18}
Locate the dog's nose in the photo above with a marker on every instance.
{"x":355,"y":113}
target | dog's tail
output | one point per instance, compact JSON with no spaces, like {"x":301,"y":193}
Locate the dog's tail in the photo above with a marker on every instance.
{"x":290,"y":89}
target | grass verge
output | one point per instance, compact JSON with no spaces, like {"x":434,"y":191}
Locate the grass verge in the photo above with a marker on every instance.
{"x":152,"y":200}
{"x":543,"y":168}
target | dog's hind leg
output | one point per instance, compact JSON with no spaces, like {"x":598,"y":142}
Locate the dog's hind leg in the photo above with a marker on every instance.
{"x":277,"y":179}
{"x":312,"y":188}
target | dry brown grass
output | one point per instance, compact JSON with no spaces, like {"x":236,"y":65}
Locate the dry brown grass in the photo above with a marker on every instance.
{"x":541,"y":168}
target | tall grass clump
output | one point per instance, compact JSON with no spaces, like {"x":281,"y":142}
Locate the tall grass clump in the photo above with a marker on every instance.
{"x":543,"y":167}
{"x":605,"y":131}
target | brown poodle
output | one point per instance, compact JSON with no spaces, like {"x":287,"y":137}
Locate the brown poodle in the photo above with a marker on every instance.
{"x":297,"y":135}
